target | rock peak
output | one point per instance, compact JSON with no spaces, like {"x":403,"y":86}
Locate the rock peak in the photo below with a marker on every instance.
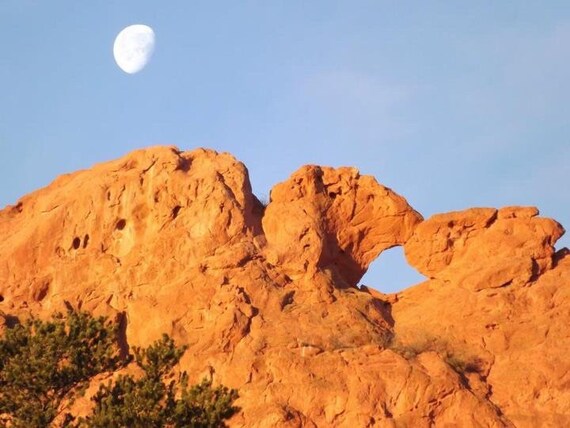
{"x":267,"y":297}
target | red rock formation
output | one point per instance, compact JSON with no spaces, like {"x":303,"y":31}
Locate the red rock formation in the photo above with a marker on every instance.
{"x":266,"y":298}
{"x":325,"y":218}
{"x":500,"y":292}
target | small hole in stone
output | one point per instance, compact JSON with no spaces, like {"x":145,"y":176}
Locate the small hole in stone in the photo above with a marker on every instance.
{"x":85,"y":241}
{"x":11,"y":321}
{"x":41,"y":292}
{"x":1,"y":298}
{"x":76,"y":243}
{"x":332,"y":195}
{"x":183,"y":164}
{"x":121,"y":224}
{"x":175,"y":211}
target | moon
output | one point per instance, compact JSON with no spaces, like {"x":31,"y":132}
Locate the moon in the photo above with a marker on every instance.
{"x":133,"y":48}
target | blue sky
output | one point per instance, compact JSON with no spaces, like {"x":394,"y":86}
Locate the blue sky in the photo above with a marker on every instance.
{"x":451,"y":104}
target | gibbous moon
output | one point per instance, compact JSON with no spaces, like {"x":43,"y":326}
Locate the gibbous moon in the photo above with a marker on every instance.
{"x":133,"y":48}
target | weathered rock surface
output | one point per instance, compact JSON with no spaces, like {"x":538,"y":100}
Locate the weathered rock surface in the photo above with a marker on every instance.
{"x":325,"y":218}
{"x":501,"y":294}
{"x":267,"y":297}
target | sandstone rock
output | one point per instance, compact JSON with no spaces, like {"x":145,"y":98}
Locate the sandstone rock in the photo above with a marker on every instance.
{"x":266,"y":298}
{"x":333,"y":218}
{"x":484,"y":247}
{"x":503,"y":294}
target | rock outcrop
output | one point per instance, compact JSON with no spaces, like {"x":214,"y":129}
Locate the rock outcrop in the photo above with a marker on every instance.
{"x":267,"y":298}
{"x":499,"y":292}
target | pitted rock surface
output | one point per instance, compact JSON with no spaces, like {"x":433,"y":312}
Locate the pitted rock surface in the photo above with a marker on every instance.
{"x":267,"y":298}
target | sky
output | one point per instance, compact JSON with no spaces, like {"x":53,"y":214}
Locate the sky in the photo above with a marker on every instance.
{"x":451,"y":104}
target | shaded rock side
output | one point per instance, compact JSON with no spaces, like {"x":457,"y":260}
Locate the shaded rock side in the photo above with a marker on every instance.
{"x":266,"y":297}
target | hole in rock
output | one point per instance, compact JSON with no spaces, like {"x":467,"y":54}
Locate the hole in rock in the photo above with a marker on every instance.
{"x":11,"y":321}
{"x":1,"y":298}
{"x":41,"y":292}
{"x":19,"y":207}
{"x":183,"y":165}
{"x":121,"y":224}
{"x":76,"y":243}
{"x":175,"y":211}
{"x":85,"y":241}
{"x":391,"y":273}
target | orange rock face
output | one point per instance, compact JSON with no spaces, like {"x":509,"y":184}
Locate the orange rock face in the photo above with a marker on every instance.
{"x":266,"y":298}
{"x":322,"y":218}
{"x":499,"y":292}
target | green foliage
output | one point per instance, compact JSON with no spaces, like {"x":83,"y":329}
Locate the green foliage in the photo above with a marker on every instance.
{"x":159,"y":358}
{"x":150,"y":402}
{"x":204,"y":406}
{"x":45,"y":364}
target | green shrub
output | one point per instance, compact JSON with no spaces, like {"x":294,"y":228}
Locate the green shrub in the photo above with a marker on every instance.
{"x":45,"y":365}
{"x":150,"y":402}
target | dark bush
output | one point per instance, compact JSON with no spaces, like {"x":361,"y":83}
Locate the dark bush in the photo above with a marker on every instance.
{"x":46,"y":365}
{"x":151,"y":402}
